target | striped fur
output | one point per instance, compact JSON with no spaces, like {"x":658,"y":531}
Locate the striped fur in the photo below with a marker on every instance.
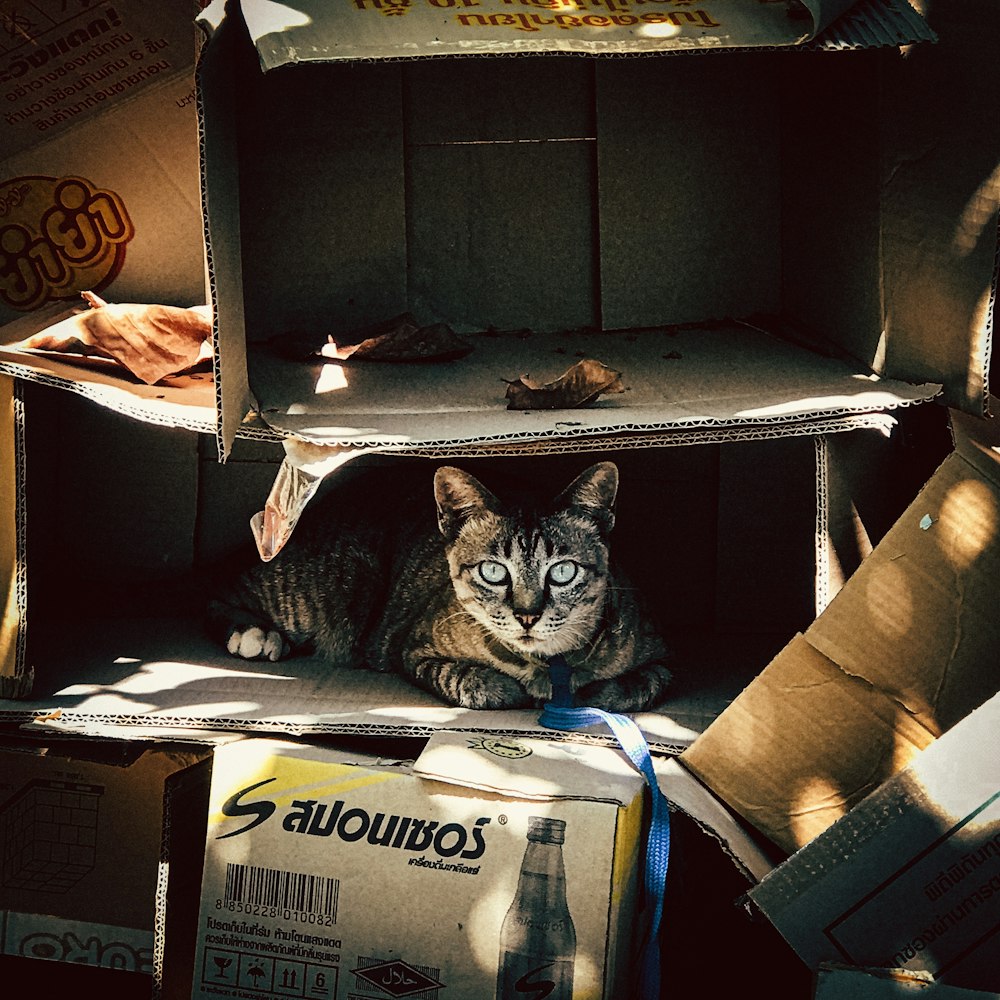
{"x":466,"y":597}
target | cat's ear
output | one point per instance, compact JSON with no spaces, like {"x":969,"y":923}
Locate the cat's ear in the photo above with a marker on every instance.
{"x":594,"y":490}
{"x":459,"y":495}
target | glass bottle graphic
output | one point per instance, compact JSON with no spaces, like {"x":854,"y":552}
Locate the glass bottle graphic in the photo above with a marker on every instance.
{"x":537,"y":938}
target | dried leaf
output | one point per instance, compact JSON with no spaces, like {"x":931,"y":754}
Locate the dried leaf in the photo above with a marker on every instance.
{"x":437,"y":342}
{"x":577,"y":386}
{"x":151,"y":341}
{"x":396,"y":339}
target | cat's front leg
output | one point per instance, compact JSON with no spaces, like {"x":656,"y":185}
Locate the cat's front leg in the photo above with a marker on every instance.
{"x":468,"y":683}
{"x":635,"y":691}
{"x":245,"y":635}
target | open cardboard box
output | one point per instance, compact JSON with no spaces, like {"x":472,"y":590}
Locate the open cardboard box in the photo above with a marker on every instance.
{"x":320,"y":222}
{"x":118,"y":567}
{"x":99,"y":191}
{"x":347,"y":184}
{"x":103,"y":844}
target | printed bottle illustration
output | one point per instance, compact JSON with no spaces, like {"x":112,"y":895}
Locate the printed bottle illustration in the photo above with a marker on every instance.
{"x":537,"y":939}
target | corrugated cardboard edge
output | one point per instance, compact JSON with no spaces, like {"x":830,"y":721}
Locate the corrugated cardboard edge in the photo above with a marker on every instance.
{"x":217,"y":142}
{"x":846,"y":982}
{"x":185,"y":813}
{"x":872,"y":24}
{"x":16,"y":677}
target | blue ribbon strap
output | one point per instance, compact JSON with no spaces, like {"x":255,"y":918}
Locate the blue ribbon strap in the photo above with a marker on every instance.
{"x":561,"y":713}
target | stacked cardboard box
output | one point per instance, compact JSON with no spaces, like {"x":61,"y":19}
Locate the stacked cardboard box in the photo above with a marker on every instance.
{"x":346,"y":180}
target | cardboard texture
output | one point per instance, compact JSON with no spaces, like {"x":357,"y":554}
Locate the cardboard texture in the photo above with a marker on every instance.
{"x":126,"y":653}
{"x":99,"y":171}
{"x":346,"y":875}
{"x":897,"y":659}
{"x":86,"y":849}
{"x":909,"y":878}
{"x":839,"y":982}
{"x":790,"y":246}
{"x":469,"y":261}
{"x":15,"y":676}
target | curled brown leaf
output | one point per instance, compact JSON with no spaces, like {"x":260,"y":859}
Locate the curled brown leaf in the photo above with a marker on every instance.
{"x":579,"y":385}
{"x":151,"y":341}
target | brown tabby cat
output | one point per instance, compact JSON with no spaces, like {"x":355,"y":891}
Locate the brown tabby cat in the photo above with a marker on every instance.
{"x":468,"y":608}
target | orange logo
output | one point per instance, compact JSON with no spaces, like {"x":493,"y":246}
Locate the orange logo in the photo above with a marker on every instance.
{"x":59,"y":236}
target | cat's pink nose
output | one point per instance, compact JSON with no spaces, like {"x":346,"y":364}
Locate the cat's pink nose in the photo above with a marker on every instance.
{"x":525,"y":619}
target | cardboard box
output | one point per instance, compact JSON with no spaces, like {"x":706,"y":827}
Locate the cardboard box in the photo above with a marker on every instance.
{"x":344,"y":876}
{"x":910,"y":878}
{"x":94,"y":839}
{"x":99,"y":191}
{"x":900,"y":656}
{"x":127,"y":655}
{"x":369,"y":194}
{"x":692,"y":383}
{"x":99,"y":171}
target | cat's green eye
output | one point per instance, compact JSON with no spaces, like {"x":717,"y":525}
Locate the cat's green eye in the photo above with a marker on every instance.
{"x":493,"y":572}
{"x":563,"y":572}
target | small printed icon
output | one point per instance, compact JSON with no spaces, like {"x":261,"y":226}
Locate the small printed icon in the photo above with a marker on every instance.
{"x":396,"y":978}
{"x":510,"y":749}
{"x":222,"y":963}
{"x":255,"y":972}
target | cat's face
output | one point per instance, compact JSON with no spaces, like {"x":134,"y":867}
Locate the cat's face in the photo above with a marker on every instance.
{"x":535,"y":579}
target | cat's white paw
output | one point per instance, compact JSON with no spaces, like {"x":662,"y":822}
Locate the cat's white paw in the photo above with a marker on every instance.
{"x":254,"y":643}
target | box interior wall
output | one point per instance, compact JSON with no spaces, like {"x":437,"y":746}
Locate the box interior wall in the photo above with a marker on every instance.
{"x":668,"y":191}
{"x":722,"y":538}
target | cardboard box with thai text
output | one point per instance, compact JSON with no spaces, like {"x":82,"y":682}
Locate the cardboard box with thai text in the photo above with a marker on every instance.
{"x":99,"y":185}
{"x":339,"y":876}
{"x":909,"y":879}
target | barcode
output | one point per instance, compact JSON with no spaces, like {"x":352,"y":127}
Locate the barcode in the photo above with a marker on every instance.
{"x":251,"y":884}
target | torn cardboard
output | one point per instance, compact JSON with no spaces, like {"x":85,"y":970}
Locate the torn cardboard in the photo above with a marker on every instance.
{"x":842,"y":982}
{"x":898,"y":658}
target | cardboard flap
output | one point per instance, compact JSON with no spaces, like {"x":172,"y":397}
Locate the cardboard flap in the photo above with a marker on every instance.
{"x":901,"y":654}
{"x":316,"y":30}
{"x":977,"y":440}
{"x":778,"y":755}
{"x":918,"y":618}
{"x":12,"y":569}
{"x":529,"y":769}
